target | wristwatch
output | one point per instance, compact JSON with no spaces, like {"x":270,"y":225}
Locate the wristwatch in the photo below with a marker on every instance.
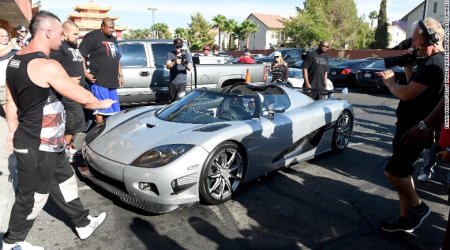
{"x":422,"y":125}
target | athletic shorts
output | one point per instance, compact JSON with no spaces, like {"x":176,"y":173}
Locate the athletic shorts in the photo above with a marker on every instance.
{"x":403,"y":157}
{"x":103,"y":93}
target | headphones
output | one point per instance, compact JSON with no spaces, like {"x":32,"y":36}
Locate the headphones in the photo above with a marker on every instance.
{"x":430,"y":36}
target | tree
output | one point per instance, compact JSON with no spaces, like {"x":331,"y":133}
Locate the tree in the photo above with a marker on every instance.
{"x":372,"y":16}
{"x":381,"y":32}
{"x":162,"y":31}
{"x":333,"y":20}
{"x":229,"y":27}
{"x":181,"y":33}
{"x":219,"y":22}
{"x":199,"y":33}
{"x":137,"y":34}
{"x":248,"y":27}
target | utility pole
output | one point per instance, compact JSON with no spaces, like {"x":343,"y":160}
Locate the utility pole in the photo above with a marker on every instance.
{"x":153,"y":20}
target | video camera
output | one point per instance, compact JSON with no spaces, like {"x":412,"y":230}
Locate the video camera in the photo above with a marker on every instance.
{"x":403,"y":59}
{"x":183,"y":57}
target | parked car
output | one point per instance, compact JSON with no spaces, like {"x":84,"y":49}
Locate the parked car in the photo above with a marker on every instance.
{"x":366,"y":77}
{"x":206,"y":145}
{"x":344,"y":73}
{"x":295,"y":77}
{"x":146,"y":77}
{"x":290,"y":56}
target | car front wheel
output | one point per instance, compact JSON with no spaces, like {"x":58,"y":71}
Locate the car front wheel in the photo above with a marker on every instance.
{"x":342,"y":131}
{"x":222,"y":174}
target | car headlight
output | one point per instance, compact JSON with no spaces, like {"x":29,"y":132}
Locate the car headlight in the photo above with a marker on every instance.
{"x":160,"y":156}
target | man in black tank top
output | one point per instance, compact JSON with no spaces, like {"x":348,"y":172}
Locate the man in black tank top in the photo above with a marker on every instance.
{"x":36,"y":123}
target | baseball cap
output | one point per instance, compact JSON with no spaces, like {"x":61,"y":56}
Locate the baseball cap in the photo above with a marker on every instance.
{"x":178,"y":42}
{"x":206,"y":47}
{"x":277,"y":53}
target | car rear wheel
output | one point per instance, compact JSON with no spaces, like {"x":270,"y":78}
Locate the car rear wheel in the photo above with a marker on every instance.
{"x":342,"y":131}
{"x":222,"y":174}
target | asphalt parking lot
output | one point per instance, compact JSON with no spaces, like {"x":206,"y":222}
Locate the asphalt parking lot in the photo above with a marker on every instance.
{"x":333,"y":202}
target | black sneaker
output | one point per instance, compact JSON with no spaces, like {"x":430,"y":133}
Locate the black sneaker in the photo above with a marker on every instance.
{"x":398,"y":224}
{"x":418,"y":213}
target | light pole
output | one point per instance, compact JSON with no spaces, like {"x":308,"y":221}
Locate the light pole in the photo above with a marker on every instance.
{"x":153,"y":20}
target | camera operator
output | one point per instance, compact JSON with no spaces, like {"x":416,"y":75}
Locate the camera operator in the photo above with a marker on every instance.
{"x":178,"y":63}
{"x":418,"y":98}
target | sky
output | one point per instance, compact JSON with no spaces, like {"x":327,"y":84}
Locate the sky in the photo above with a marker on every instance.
{"x":176,"y":13}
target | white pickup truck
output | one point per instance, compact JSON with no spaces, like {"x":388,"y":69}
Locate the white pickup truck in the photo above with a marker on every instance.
{"x":146,"y":77}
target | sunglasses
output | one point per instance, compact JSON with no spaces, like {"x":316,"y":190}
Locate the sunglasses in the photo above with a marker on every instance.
{"x":326,"y":46}
{"x":276,"y":57}
{"x":23,"y":31}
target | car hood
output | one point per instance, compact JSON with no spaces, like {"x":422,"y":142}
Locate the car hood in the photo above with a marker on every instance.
{"x":127,"y":137}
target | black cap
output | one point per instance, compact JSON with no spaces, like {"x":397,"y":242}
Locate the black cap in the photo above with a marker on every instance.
{"x":178,"y":42}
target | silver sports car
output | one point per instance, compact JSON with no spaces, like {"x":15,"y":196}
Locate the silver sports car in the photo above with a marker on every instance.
{"x":204,"y":146}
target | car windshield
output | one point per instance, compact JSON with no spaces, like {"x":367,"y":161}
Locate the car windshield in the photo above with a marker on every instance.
{"x":204,"y":106}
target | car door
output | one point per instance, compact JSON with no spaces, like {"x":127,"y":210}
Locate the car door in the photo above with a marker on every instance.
{"x":136,"y":70}
{"x":276,"y":133}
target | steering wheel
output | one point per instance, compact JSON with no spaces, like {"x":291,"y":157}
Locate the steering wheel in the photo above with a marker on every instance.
{"x":228,"y":114}
{"x":239,"y":110}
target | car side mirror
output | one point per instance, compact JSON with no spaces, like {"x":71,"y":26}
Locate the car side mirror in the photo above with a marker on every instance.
{"x":275,"y":108}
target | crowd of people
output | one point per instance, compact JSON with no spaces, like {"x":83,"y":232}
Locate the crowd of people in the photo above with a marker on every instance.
{"x":43,"y":103}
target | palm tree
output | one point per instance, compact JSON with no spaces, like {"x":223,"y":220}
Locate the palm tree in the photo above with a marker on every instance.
{"x":181,"y":33}
{"x":248,"y":27}
{"x":219,"y":22}
{"x":372,"y":16}
{"x":162,"y":30}
{"x":230,"y":25}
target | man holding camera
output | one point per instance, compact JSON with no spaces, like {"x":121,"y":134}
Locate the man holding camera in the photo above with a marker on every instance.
{"x":417,"y":99}
{"x":178,"y":63}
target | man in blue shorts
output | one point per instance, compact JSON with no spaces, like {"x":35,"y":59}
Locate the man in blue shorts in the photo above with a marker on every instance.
{"x":102,"y":66}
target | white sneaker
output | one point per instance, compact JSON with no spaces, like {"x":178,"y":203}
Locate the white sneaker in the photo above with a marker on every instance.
{"x":424,"y":177}
{"x":20,"y":246}
{"x":85,"y":232}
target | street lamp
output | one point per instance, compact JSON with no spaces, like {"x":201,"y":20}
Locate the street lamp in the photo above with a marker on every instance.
{"x":153,"y":20}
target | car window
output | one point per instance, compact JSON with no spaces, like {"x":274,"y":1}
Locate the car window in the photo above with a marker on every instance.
{"x":376,"y":65}
{"x":293,"y":54}
{"x":133,"y":54}
{"x":160,"y":51}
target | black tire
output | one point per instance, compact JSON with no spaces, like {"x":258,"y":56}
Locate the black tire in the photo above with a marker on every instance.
{"x":342,"y":131}
{"x":222,"y":174}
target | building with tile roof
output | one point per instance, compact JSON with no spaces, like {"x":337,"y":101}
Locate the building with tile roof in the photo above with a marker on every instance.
{"x":89,"y":17}
{"x":269,"y":31}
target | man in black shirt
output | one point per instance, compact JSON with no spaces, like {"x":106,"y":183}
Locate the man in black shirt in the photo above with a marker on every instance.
{"x":102,"y":66}
{"x":417,"y":99}
{"x":315,"y":69}
{"x":72,"y":61}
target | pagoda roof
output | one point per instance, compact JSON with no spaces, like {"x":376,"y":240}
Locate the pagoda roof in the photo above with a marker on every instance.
{"x":91,"y":6}
{"x":92,"y":15}
{"x":96,"y":25}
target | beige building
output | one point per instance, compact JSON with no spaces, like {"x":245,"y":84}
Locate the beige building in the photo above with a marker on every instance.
{"x":396,"y":35}
{"x":89,"y":17}
{"x":428,"y":8}
{"x":269,"y":31}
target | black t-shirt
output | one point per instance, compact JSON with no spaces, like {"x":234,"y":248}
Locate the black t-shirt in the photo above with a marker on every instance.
{"x":429,"y":72}
{"x":103,"y":56}
{"x":71,"y":60}
{"x":317,"y":66}
{"x":178,"y":73}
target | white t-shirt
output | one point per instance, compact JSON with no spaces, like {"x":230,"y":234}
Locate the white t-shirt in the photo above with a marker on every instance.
{"x":3,"y":64}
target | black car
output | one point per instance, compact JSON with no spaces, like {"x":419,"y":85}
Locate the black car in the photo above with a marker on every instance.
{"x":344,"y":73}
{"x":366,"y":77}
{"x":290,"y":56}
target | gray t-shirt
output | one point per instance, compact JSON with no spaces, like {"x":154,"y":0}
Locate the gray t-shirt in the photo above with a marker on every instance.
{"x":178,"y":73}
